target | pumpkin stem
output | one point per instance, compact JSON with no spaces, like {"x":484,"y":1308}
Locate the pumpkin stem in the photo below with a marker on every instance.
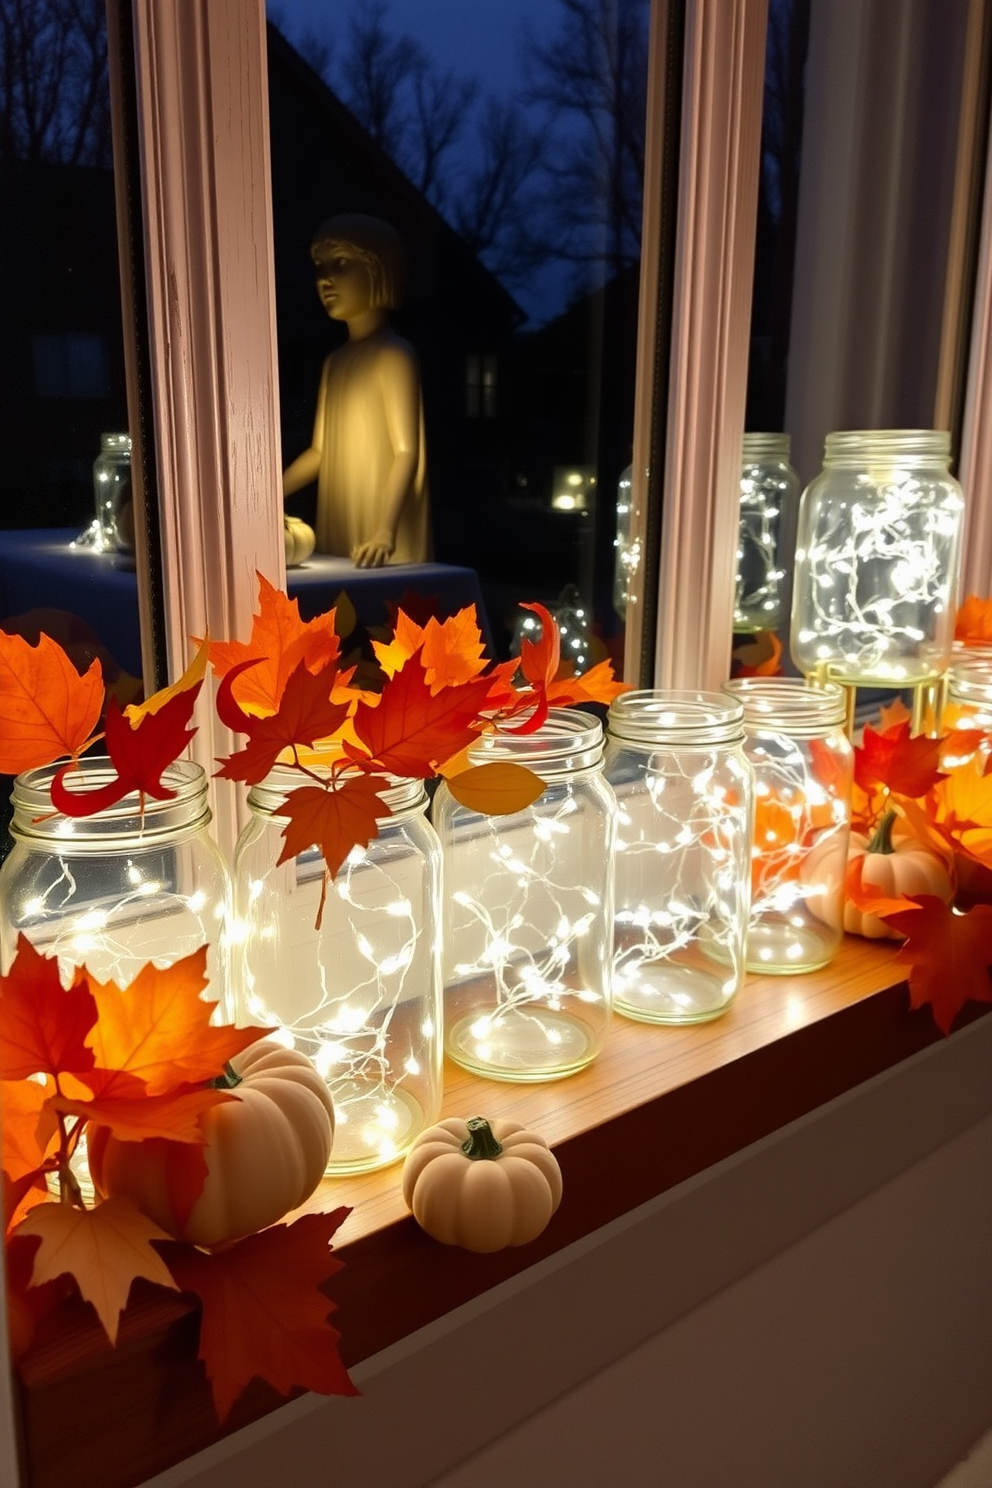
{"x":227,"y":1081}
{"x":480,"y":1141}
{"x":881,"y":842}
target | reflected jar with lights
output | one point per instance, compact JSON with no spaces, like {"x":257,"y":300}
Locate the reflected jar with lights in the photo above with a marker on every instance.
{"x":768,"y":508}
{"x":676,"y":763}
{"x":349,"y":968}
{"x":803,"y":767}
{"x":528,"y":909}
{"x":877,"y":555}
{"x":121,"y":887}
{"x":968,"y":707}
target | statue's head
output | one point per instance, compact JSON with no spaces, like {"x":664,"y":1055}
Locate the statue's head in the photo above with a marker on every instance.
{"x":377,"y":245}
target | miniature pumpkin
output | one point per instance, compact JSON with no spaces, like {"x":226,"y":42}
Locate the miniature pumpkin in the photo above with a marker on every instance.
{"x":266,"y":1151}
{"x":480,"y":1184}
{"x":300,"y":541}
{"x":904,"y":867}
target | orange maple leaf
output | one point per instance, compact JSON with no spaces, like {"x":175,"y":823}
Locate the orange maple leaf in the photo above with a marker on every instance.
{"x":973,"y":622}
{"x":334,"y":820}
{"x":960,"y":807}
{"x":160,"y":1028}
{"x":305,"y":714}
{"x":104,"y":1249}
{"x":116,"y":1099}
{"x":280,"y":642}
{"x":47,"y":710}
{"x":413,"y":729}
{"x":893,"y":715}
{"x":264,"y":1314}
{"x":948,"y":954}
{"x":43,"y":1026}
{"x":597,"y":685}
{"x":759,"y":657}
{"x":452,"y":650}
{"x":27,"y":1125}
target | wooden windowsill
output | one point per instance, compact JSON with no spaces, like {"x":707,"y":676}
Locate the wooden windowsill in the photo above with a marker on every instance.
{"x":659,"y":1106}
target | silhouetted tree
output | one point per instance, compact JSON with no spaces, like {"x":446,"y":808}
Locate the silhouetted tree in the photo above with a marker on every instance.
{"x":54,"y":90}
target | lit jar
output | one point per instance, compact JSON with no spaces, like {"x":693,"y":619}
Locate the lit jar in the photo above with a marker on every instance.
{"x":119,"y":888}
{"x":360,"y":994}
{"x":968,"y":705}
{"x":769,"y":503}
{"x":112,"y":492}
{"x":528,"y":909}
{"x":877,"y":560}
{"x":803,"y":773}
{"x":676,"y":764}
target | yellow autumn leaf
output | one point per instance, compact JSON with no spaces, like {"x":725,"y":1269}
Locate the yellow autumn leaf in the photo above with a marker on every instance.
{"x":194,"y":673}
{"x":103,"y":1248}
{"x":496,"y":789}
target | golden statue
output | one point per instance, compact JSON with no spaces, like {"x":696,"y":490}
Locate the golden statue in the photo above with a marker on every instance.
{"x":367,"y":453}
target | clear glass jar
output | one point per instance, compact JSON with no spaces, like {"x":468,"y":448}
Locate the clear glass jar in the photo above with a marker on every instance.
{"x":528,"y":909}
{"x":119,"y":888}
{"x":683,"y":786}
{"x":112,"y":492}
{"x":360,"y":993}
{"x":768,"y":511}
{"x":803,"y":773}
{"x":877,"y":560}
{"x":968,"y":703}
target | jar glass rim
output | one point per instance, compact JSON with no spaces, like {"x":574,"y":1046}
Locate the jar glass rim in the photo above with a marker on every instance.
{"x":35,"y":818}
{"x":789,"y":704}
{"x":676,"y":716}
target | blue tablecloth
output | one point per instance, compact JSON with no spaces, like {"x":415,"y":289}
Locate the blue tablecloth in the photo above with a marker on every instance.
{"x":38,"y":569}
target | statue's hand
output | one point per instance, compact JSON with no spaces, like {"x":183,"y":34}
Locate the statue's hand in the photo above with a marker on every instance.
{"x":374,"y":553}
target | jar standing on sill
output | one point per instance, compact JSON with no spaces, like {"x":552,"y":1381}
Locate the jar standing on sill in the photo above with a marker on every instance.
{"x":968,"y":703}
{"x":803,"y":774}
{"x":683,"y":789}
{"x":768,"y":512}
{"x":360,"y":993}
{"x":528,"y":909}
{"x":121,"y":887}
{"x":877,"y":560}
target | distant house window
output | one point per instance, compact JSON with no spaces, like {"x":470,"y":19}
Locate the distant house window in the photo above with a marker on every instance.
{"x":70,"y":364}
{"x":480,"y":384}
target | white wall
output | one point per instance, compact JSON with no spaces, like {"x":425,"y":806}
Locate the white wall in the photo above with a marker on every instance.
{"x":816,"y":1311}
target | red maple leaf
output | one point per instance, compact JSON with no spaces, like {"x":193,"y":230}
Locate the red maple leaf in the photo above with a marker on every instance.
{"x":280,"y":641}
{"x":906,"y":766}
{"x":139,"y":753}
{"x":305,"y":715}
{"x":413,"y":730}
{"x":47,"y":710}
{"x":43,"y":1027}
{"x":948,"y":954}
{"x":334,"y":820}
{"x":264,"y":1314}
{"x":116,"y":1099}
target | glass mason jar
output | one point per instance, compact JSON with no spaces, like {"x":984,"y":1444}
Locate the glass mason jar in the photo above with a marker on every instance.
{"x":119,"y":888}
{"x":528,"y":909}
{"x":877,"y":560}
{"x":684,"y":800}
{"x":803,"y":773}
{"x":968,"y":703}
{"x":112,"y":492}
{"x":358,"y":992}
{"x":769,"y":506}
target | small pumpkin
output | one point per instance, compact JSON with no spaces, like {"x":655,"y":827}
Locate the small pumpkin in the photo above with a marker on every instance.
{"x":481,"y":1184}
{"x":266,"y":1151}
{"x":896,"y":868}
{"x":300,"y":540}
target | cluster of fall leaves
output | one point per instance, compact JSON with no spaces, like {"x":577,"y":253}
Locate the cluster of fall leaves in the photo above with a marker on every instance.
{"x":141,"y":1062}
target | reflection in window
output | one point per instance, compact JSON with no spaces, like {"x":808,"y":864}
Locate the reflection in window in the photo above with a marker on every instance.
{"x":62,"y":375}
{"x":512,"y":169}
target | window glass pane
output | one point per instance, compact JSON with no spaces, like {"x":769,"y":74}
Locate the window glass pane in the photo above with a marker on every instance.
{"x":66,"y":544}
{"x":504,"y":144}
